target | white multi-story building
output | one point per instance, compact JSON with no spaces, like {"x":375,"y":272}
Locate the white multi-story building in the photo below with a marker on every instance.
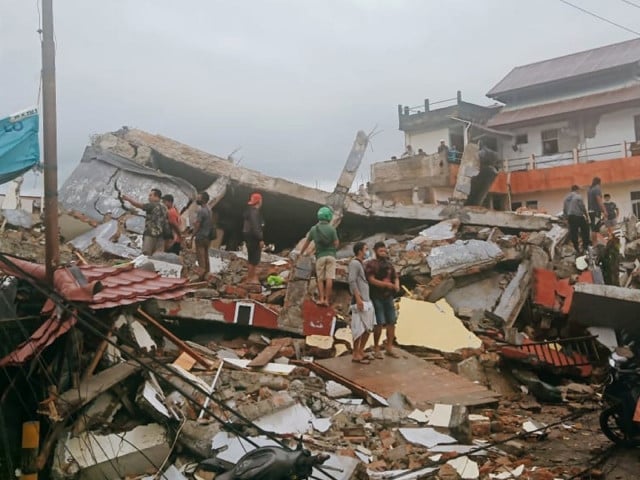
{"x":561,"y":122}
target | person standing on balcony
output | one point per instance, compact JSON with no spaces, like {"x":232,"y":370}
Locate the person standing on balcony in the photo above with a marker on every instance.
{"x":596,"y":207}
{"x":576,"y":215}
{"x":443,"y":148}
{"x":611,"y":219}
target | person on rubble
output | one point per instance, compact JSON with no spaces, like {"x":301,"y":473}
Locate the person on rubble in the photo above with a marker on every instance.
{"x":383,"y":283}
{"x":611,"y":219}
{"x":362,"y":314}
{"x":173,"y":244}
{"x":156,"y":223}
{"x":443,"y":148}
{"x":596,"y":207}
{"x":252,"y":229}
{"x":408,"y":152}
{"x":325,"y":239}
{"x":575,"y":212}
{"x":203,"y":233}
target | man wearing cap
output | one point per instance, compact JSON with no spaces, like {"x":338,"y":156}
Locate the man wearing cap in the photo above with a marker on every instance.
{"x":576,"y":215}
{"x":252,"y":231}
{"x":325,"y":239}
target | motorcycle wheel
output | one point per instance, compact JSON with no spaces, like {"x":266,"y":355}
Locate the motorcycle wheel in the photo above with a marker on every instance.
{"x":610,"y":421}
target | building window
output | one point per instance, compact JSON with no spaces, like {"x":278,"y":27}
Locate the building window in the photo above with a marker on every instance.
{"x":635,"y":203}
{"x":522,"y":139}
{"x":532,"y":204}
{"x":516,"y":205}
{"x":550,"y":141}
{"x":636,"y":127}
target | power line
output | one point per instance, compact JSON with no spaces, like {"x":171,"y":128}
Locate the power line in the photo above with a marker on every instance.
{"x":588,"y":12}
{"x":630,"y":3}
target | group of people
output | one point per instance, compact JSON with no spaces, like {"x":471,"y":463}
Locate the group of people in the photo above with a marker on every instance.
{"x":600,"y":210}
{"x":163,"y":230}
{"x":373,"y":285}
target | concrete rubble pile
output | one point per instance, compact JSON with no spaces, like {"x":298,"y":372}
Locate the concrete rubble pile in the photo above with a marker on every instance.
{"x":502,"y":332}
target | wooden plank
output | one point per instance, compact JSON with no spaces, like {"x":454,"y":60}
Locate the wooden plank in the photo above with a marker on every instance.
{"x":423,"y":383}
{"x":76,"y":398}
{"x":185,"y":361}
{"x":265,"y":356}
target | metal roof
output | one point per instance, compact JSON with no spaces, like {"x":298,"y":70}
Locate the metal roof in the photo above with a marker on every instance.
{"x":546,"y":110}
{"x":568,"y":66}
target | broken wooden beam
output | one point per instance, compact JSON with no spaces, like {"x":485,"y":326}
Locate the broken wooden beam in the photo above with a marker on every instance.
{"x":74,"y":399}
{"x":178,"y":342}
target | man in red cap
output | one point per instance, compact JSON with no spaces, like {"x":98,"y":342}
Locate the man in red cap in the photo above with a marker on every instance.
{"x":252,"y":230}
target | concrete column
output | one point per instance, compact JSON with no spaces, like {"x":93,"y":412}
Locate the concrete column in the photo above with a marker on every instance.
{"x":576,"y":158}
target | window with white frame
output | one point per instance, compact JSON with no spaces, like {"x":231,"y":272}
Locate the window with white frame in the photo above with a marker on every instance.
{"x":635,"y":203}
{"x":550,"y":141}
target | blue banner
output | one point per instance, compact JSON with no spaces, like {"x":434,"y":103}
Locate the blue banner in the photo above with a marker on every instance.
{"x":19,"y":147}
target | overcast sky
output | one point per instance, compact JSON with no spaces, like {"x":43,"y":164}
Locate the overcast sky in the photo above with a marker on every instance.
{"x":288,"y":81}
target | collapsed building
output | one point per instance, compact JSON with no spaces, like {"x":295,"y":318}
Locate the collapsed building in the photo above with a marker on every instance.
{"x":145,"y":371}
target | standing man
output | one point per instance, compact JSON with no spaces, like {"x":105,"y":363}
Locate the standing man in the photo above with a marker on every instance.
{"x":443,"y":148}
{"x":202,"y":233}
{"x":576,"y":215}
{"x":173,"y":244}
{"x":156,"y":223}
{"x":253,"y":237}
{"x":612,"y":211}
{"x":596,"y":208}
{"x":383,"y":282}
{"x":325,"y":238}
{"x":362,"y":314}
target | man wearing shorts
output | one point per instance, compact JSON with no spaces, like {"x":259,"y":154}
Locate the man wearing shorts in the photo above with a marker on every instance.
{"x":362,"y":314}
{"x":383,"y":282}
{"x":325,"y":239}
{"x":252,"y":231}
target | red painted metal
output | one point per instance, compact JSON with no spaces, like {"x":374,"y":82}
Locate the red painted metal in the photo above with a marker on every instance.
{"x":317,"y":319}
{"x":552,"y":293}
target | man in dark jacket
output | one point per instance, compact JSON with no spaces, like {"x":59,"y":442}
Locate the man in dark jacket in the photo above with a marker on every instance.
{"x":576,"y":214}
{"x":156,"y":223}
{"x":203,"y":233}
{"x":252,"y":231}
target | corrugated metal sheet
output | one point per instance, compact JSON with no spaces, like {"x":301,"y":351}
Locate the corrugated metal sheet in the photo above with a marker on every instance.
{"x":568,"y":66}
{"x":596,"y":100}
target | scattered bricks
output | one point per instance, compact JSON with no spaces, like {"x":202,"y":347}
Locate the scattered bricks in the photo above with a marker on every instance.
{"x":514,"y":448}
{"x":542,"y":474}
{"x":346,"y":452}
{"x":233,"y":291}
{"x":264,"y":393}
{"x":258,"y":297}
{"x":277,"y":297}
{"x":497,"y":426}
{"x":481,"y":429}
{"x":388,"y":416}
{"x":277,"y":402}
{"x":447,"y":472}
{"x":398,"y":453}
{"x":387,"y":438}
{"x":378,"y":466}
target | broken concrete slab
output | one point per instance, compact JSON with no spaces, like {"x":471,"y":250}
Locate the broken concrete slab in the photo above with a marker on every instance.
{"x":478,"y":295}
{"x":445,"y":231}
{"x":606,"y":306}
{"x":432,"y":325}
{"x":117,"y":455}
{"x":464,"y":257}
{"x":515,"y":295}
{"x":18,"y":218}
{"x":425,"y":436}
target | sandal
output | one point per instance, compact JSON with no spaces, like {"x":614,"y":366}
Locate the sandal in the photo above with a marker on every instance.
{"x":379,"y":355}
{"x":364,"y":361}
{"x":391,"y":353}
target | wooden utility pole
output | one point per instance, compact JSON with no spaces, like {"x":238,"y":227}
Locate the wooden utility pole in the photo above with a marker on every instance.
{"x":49,"y":134}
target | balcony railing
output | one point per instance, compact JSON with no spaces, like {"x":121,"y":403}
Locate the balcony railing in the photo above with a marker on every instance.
{"x":575,"y":156}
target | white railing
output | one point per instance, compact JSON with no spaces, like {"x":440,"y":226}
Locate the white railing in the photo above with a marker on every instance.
{"x":575,"y":156}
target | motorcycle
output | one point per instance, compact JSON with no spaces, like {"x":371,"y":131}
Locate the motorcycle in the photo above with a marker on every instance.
{"x":620,"y":420}
{"x":267,"y":463}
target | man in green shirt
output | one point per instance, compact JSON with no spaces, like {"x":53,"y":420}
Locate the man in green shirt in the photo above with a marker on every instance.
{"x":325,"y":239}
